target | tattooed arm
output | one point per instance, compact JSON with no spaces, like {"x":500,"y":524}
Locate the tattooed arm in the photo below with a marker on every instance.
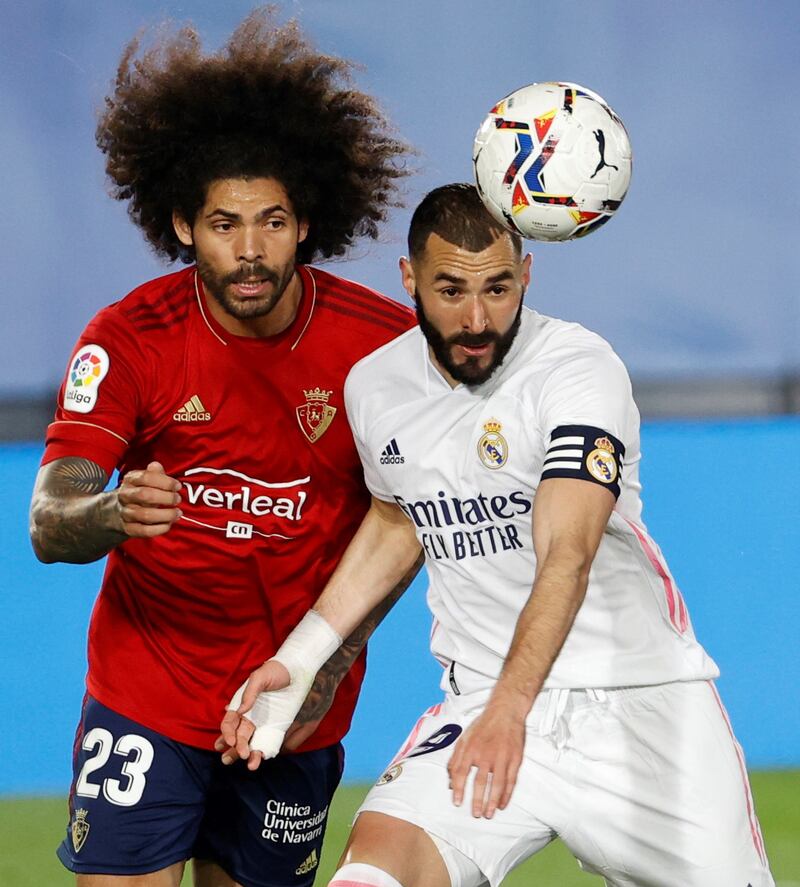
{"x":320,"y":696}
{"x":72,"y":519}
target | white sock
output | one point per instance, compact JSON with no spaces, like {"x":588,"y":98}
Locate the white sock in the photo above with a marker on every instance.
{"x":361,"y":874}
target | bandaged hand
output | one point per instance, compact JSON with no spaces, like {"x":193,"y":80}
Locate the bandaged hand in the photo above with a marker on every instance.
{"x":265,"y":706}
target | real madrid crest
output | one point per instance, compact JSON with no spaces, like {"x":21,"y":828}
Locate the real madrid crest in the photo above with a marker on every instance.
{"x":390,"y":775}
{"x":80,"y":829}
{"x":492,"y":447}
{"x":316,"y":414}
{"x":601,"y":463}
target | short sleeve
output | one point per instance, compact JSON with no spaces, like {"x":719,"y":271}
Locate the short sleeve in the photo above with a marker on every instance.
{"x":101,"y":395}
{"x":585,"y":413}
{"x":357,"y":410}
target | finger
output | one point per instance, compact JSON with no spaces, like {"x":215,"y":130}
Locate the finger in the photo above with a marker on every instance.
{"x":230,"y":756}
{"x":243,"y":733}
{"x":482,"y":777}
{"x":497,"y":790}
{"x":458,"y":776}
{"x":254,"y":760}
{"x":148,"y":496}
{"x":152,"y":477}
{"x":137,"y":514}
{"x":511,"y":781}
{"x":228,"y":728}
{"x":255,"y":686}
{"x":145,"y":531}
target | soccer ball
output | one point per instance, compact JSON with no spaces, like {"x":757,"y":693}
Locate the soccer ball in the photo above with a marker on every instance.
{"x":552,"y":161}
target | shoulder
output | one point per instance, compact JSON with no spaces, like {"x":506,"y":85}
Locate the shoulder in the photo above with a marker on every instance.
{"x":389,"y":374}
{"x":560,"y":348}
{"x":360,"y":309}
{"x":157,"y":304}
{"x":160,"y":303}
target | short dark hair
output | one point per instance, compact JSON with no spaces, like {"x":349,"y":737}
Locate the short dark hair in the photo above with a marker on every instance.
{"x":266,"y":105}
{"x":457,"y":214}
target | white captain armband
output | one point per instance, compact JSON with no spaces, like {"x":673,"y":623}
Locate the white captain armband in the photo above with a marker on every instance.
{"x":586,"y":453}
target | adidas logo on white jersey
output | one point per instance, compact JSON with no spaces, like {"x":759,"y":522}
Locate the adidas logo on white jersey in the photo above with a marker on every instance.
{"x":192,"y":411}
{"x":309,"y":865}
{"x":391,"y":454}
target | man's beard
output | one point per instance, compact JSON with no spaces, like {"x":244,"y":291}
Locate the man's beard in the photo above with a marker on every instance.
{"x":470,"y":371}
{"x":217,"y":285}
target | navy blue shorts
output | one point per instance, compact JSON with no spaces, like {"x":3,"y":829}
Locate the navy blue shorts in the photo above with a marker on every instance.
{"x":140,"y":802}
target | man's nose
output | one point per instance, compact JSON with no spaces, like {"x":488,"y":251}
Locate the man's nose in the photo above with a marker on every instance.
{"x":249,"y":246}
{"x":474,"y":319}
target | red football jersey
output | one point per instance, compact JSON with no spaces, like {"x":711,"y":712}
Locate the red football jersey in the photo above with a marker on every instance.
{"x":273,"y":491}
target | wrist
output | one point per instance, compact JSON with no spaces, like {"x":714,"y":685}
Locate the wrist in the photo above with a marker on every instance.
{"x":309,"y":646}
{"x":510,"y":701}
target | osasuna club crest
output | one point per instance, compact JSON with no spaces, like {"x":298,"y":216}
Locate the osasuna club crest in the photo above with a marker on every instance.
{"x":316,"y":414}
{"x":492,"y":447}
{"x":79,"y":829}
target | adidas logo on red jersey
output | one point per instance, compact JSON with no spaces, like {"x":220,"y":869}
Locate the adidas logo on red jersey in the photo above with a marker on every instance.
{"x":192,"y":411}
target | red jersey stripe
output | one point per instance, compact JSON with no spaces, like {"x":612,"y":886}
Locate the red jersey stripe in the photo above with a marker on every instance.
{"x":396,"y":328}
{"x":385,"y":307}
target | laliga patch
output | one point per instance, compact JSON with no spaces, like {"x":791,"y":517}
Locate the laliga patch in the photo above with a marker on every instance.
{"x":88,"y":369}
{"x":586,"y":453}
{"x":440,"y":739}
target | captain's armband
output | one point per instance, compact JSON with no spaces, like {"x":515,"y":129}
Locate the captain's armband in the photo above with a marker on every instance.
{"x":586,"y":453}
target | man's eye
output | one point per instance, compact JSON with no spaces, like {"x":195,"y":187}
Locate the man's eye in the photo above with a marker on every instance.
{"x":499,"y":290}
{"x":276,"y":224}
{"x":223,"y":227}
{"x":451,"y":292}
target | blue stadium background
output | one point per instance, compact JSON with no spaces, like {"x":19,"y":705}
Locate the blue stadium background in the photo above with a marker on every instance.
{"x":696,"y":282}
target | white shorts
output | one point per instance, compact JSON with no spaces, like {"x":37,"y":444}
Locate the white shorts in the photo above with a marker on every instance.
{"x":645,"y":785}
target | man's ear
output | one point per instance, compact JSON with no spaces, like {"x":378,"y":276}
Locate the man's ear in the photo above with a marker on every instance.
{"x":407,"y":276}
{"x":527,"y":262}
{"x":302,"y":230}
{"x":182,"y":229}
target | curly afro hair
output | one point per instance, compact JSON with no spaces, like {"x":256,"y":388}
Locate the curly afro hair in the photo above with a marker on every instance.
{"x":267,"y":104}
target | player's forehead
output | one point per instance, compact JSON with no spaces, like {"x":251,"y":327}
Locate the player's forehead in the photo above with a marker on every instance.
{"x":441,"y":259}
{"x":246,"y":196}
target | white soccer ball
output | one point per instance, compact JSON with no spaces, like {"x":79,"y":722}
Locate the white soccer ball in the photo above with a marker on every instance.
{"x":552,"y":161}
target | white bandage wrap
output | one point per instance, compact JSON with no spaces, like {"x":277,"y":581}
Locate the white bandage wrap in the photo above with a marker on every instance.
{"x":303,"y":653}
{"x":358,"y":873}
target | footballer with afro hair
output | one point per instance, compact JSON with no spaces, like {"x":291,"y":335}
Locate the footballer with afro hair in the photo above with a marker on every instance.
{"x":266,"y":105}
{"x":217,"y":393}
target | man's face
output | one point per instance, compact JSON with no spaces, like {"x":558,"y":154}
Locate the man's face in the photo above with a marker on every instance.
{"x":468,"y":304}
{"x":245,"y":238}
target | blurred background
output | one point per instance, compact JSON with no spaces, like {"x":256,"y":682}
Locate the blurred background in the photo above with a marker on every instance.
{"x":696,"y":283}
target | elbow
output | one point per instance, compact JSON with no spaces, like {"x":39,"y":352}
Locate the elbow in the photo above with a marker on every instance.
{"x":39,"y":547}
{"x":38,"y":535}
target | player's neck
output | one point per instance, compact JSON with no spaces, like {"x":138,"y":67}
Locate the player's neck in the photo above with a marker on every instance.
{"x":279,"y":319}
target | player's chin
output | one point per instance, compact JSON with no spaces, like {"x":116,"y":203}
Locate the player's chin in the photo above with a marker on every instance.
{"x":245,"y":309}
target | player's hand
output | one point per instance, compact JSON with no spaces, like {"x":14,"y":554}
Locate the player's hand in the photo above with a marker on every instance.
{"x":147,"y":502}
{"x":250,"y":706}
{"x":493,"y":744}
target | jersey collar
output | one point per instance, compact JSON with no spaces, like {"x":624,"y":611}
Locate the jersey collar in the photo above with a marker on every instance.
{"x":289,"y":338}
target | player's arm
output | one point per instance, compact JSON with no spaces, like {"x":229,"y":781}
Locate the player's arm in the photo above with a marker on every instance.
{"x":320,"y":696}
{"x":383,"y":555}
{"x":569,"y":517}
{"x":73,"y":518}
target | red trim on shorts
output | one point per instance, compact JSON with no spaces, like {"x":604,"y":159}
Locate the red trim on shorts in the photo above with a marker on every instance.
{"x":677,"y":608}
{"x":413,"y":736}
{"x":755,"y":828}
{"x":346,"y":882}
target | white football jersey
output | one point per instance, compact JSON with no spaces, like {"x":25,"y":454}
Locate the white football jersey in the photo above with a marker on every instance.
{"x":464,"y":465}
